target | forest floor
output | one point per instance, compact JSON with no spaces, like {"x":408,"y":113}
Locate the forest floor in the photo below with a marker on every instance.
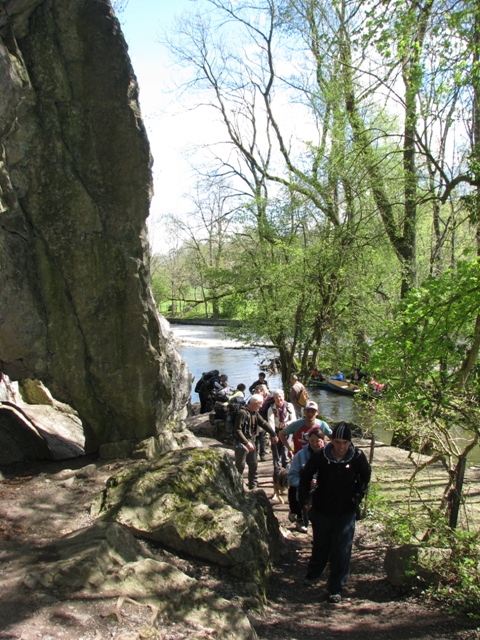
{"x":38,"y":504}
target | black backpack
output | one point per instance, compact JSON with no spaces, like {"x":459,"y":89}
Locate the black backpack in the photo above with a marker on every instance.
{"x":206,"y":376}
{"x":220,"y":410}
{"x":234,"y":406}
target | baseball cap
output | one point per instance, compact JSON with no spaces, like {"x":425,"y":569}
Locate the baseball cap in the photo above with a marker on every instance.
{"x":311,"y":405}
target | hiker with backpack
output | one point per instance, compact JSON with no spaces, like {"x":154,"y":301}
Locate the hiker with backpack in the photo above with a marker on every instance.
{"x":248,"y":422}
{"x":261,"y":442}
{"x":343,"y":473}
{"x":297,"y":395}
{"x":202,"y":389}
{"x":280,"y":414}
{"x":236,"y":402}
{"x":299,"y":429}
{"x":209,"y":384}
{"x":220,"y":399}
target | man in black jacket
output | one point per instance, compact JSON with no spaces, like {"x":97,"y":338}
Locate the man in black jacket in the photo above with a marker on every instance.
{"x":262,"y":379}
{"x":247,"y":424}
{"x":343,"y":474}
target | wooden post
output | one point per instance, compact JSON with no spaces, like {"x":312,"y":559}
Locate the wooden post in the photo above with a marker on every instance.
{"x":363,"y":510}
{"x":456,"y":494}
{"x":372,"y":448}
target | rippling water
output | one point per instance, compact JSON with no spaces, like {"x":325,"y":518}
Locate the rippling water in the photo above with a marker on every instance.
{"x":204,"y":348}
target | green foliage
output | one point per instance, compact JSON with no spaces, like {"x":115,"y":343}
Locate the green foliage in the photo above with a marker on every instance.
{"x":402,"y":519}
{"x":459,"y":587}
{"x":294,"y":284}
{"x":433,"y":327}
{"x":430,"y":353}
{"x":406,"y":521}
{"x":160,"y":288}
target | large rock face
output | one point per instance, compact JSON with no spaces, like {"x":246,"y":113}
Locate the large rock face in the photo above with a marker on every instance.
{"x":76,"y":309}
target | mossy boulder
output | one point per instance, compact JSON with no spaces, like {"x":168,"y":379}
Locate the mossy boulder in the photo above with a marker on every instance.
{"x":193,"y":501}
{"x":35,"y":392}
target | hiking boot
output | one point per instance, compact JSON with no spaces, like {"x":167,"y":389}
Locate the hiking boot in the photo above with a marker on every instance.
{"x":334,"y":598}
{"x":292,"y":516}
{"x":309,"y":580}
{"x":300,"y":527}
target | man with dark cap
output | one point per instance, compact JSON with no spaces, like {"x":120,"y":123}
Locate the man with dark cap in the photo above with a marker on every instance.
{"x":343,"y":474}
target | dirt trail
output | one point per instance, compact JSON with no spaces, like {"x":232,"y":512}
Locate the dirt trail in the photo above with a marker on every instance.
{"x":37,"y":505}
{"x":371,"y":608}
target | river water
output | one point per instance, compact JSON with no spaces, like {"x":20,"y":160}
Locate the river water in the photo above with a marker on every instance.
{"x":206,"y":347}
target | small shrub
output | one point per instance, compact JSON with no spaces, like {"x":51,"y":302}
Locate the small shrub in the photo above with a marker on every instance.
{"x":459,"y":588}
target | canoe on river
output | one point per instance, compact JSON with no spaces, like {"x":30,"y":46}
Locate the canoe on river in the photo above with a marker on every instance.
{"x":319,"y":384}
{"x":342,"y":386}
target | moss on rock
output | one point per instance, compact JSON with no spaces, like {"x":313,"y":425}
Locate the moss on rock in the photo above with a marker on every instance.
{"x":194,"y":501}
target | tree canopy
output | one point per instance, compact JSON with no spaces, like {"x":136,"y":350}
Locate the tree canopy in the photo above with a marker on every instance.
{"x":348,"y":162}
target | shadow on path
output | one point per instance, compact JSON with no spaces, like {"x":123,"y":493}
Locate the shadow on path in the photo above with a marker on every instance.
{"x":372,"y":609}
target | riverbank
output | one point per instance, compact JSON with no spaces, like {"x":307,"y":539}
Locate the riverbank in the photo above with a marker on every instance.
{"x":205,"y":322}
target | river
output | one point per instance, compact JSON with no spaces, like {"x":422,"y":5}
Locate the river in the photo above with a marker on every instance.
{"x":206,"y":347}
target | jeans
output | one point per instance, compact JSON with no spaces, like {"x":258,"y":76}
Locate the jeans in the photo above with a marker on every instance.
{"x":332,"y":542}
{"x":244,"y":457}
{"x":280,"y":455}
{"x":293,"y":502}
{"x":261,"y":443}
{"x":295,"y":507}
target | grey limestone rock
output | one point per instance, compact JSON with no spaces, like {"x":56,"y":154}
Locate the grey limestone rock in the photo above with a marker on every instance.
{"x":76,"y":309}
{"x":411,"y":565}
{"x":39,"y":432}
{"x":20,"y":440}
{"x":193,"y":500}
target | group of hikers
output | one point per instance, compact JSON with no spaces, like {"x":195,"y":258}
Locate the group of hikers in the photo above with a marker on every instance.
{"x":327,"y":475}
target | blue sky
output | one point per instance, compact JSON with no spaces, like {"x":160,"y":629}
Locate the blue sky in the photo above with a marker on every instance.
{"x":170,"y":128}
{"x":177,"y":132}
